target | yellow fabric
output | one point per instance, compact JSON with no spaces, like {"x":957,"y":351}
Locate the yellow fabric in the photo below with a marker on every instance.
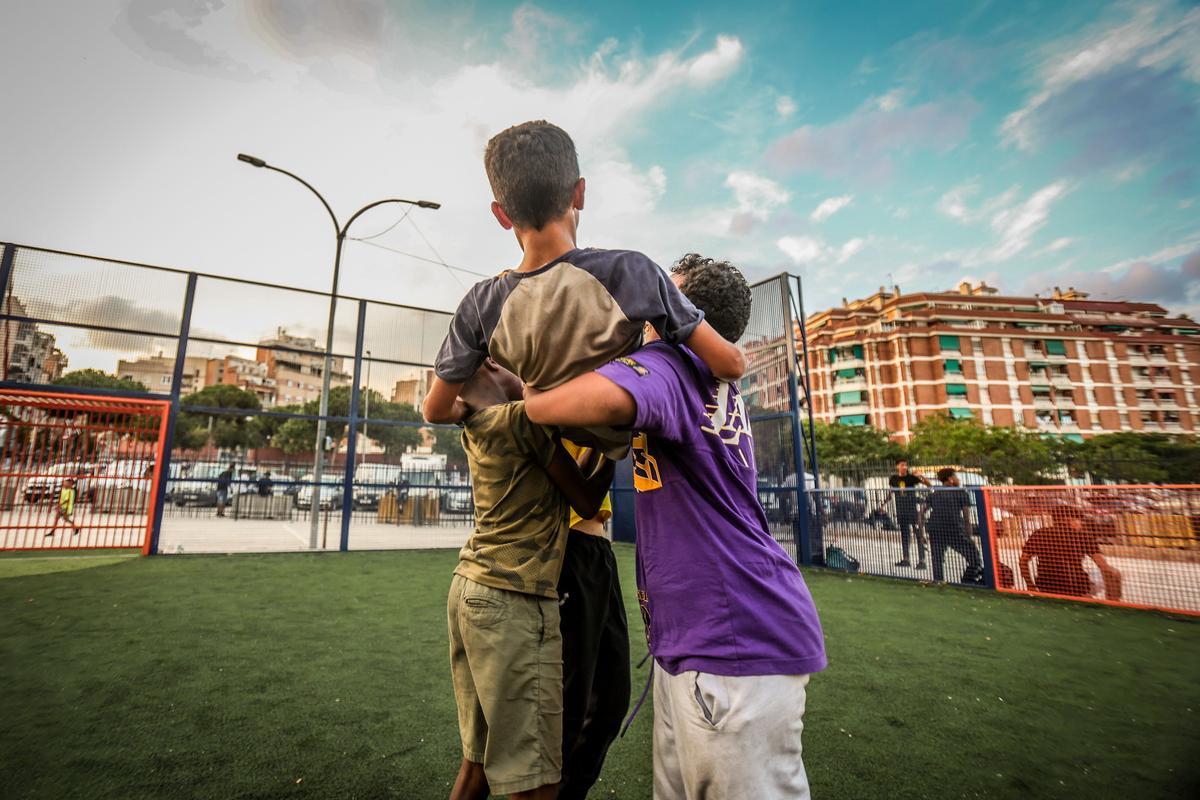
{"x":66,"y":501}
{"x":605,"y":508}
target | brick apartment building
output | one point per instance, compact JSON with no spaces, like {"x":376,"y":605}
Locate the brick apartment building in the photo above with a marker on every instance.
{"x":1065,"y":365}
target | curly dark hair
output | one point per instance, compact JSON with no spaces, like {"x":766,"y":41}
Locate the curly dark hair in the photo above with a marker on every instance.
{"x":718,"y":289}
{"x":945,"y":473}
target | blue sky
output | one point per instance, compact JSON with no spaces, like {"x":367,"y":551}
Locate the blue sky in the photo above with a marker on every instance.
{"x":1029,"y":144}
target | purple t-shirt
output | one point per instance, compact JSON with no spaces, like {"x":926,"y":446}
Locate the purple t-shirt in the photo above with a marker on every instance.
{"x":719,"y":593}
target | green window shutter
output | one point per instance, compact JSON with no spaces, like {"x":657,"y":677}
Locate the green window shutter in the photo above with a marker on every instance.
{"x":948,"y":342}
{"x":853,"y":419}
{"x":1055,"y":347}
{"x":1074,"y":437}
{"x":962,"y":413}
{"x":953,"y":365}
{"x":1037,"y":364}
{"x":1041,"y":389}
{"x":833,"y":356}
{"x":956,"y":388}
{"x":858,"y":351}
{"x":847,"y":398}
{"x":846,"y":373}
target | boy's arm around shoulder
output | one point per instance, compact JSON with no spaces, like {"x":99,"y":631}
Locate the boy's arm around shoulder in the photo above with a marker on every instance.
{"x":724,"y":358}
{"x":590,"y":400}
{"x":442,"y":403}
{"x":585,"y":494}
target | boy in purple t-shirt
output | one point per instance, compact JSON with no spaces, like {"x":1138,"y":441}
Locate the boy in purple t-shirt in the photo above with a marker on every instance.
{"x":730,"y":621}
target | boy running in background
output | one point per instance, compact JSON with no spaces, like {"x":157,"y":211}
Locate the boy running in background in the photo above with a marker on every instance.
{"x":65,"y":508}
{"x":505,"y":643}
{"x":1059,"y":550}
{"x":563,"y":311}
{"x":730,"y":622}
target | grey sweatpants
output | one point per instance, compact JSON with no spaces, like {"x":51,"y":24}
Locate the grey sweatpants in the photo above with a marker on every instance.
{"x":718,"y":737}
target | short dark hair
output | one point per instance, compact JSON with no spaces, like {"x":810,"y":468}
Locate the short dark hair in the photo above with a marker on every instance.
{"x":902,"y":460}
{"x":945,"y":473}
{"x":719,"y":290}
{"x":533,"y":170}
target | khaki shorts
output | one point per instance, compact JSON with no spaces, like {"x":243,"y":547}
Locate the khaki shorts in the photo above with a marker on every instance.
{"x":506,"y":662}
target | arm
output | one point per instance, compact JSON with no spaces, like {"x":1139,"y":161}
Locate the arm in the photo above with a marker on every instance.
{"x":587,"y":401}
{"x":442,"y":403}
{"x":724,"y":358}
{"x":1112,"y":578}
{"x":584,"y":494}
{"x":1026,"y":557}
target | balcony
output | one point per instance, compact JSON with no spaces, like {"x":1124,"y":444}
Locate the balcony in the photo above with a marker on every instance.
{"x":1062,"y":380}
{"x":851,"y":408}
{"x":1158,"y":358}
{"x":1136,"y":357}
{"x":1163,"y":380}
{"x":1043,"y":401}
{"x":858,"y":382}
{"x":1064,"y":402}
{"x":1168,"y":404}
{"x":848,"y":362}
{"x":1149,"y":404}
{"x":1142,"y":380}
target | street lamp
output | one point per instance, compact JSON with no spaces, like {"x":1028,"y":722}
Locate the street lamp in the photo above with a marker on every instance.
{"x":339,"y":231}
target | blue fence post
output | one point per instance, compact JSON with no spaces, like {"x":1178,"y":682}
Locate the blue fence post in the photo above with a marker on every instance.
{"x":181,"y":345}
{"x":6,"y":264}
{"x":624,"y":524}
{"x":352,"y":431}
{"x":985,"y":539}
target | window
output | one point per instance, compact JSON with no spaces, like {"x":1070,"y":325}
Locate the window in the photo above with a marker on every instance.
{"x":961,"y":413}
{"x":848,"y":398}
{"x":956,"y":389}
{"x":853,"y":419}
{"x":849,"y":373}
{"x":948,"y":342}
{"x":1041,"y":389}
{"x":166,"y":379}
{"x":952,"y":365}
{"x":833,"y":356}
{"x":857,"y":350}
{"x":1055,"y":347}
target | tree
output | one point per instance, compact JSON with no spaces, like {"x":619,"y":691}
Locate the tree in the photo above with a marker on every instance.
{"x":195,"y":429}
{"x":299,"y":435}
{"x":845,"y":450}
{"x":449,"y":441}
{"x":1005,"y":454}
{"x":1140,"y":458}
{"x":96,"y":379}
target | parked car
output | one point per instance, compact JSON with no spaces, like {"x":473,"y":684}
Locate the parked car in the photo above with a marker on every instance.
{"x":373,"y":481}
{"x":47,"y":487}
{"x":457,"y":499}
{"x":331,"y":496}
{"x":197,"y":486}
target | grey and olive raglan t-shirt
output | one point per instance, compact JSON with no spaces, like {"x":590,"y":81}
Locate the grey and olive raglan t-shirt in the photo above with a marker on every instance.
{"x":520,"y":515}
{"x":569,"y":317}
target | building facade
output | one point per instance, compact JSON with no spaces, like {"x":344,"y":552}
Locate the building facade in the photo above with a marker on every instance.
{"x":297,"y":367}
{"x":1065,"y":365}
{"x":155,"y":372}
{"x":413,"y":390}
{"x":244,"y":373}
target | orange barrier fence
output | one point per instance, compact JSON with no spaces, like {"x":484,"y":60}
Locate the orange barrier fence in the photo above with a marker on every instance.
{"x":1135,"y":546}
{"x":79,"y":471}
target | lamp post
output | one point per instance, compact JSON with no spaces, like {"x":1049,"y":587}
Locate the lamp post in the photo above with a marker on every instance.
{"x":339,"y":231}
{"x":367,"y":407}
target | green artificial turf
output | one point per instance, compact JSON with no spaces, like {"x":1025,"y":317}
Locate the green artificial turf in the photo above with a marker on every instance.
{"x":326,"y":676}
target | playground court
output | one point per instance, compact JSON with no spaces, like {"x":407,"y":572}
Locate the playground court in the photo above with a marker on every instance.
{"x":325,"y":676}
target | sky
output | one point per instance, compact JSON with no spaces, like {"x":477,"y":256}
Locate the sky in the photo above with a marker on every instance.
{"x":1028,"y":144}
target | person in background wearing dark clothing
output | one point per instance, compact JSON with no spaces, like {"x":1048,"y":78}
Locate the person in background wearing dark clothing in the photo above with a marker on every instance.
{"x":266,"y":487}
{"x":224,"y":481}
{"x":1060,"y":549}
{"x":948,"y":521}
{"x":903,"y":485}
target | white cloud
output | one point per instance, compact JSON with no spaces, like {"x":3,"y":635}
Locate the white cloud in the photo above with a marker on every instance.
{"x":755,"y":195}
{"x":890,"y":101}
{"x":801,"y":249}
{"x":850,"y":249}
{"x":830,"y":206}
{"x":1017,"y":225}
{"x":785,"y":106}
{"x":1061,"y":243}
{"x":954,"y":203}
{"x":1152,"y":37}
{"x":716,"y":64}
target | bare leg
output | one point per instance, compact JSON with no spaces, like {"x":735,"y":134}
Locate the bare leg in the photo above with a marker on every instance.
{"x":547,"y":792}
{"x":471,"y":783}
